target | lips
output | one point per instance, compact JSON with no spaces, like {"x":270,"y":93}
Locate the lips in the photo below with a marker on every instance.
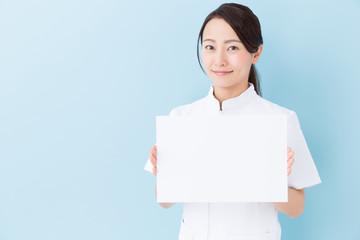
{"x":222,"y":73}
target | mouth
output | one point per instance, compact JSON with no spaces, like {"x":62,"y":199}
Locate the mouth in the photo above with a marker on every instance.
{"x":222,"y":73}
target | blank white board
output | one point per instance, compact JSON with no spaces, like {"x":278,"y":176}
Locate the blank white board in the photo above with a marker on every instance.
{"x":238,"y":158}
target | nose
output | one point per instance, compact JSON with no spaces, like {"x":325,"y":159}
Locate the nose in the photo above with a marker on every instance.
{"x":220,"y":59}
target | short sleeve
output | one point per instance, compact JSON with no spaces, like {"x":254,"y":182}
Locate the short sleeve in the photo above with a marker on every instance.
{"x":148,"y":166}
{"x":303,"y":172}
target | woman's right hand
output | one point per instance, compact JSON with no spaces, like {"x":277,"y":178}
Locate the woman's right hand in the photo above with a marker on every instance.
{"x":153,"y":159}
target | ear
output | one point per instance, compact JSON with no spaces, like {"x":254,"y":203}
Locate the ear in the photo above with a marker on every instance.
{"x":257,"y":54}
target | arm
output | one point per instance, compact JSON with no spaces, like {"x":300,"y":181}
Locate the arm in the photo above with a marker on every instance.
{"x":295,"y":205}
{"x":164,"y":205}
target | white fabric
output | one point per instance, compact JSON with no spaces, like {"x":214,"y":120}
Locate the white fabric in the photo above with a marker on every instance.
{"x":213,"y":221}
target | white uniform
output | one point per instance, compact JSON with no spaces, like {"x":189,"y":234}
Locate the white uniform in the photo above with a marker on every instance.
{"x":235,"y":221}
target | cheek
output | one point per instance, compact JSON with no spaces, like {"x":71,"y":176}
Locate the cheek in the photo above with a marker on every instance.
{"x":206,"y":59}
{"x":241,"y":61}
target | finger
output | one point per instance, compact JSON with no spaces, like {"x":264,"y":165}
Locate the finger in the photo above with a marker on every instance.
{"x":154,"y":156}
{"x":153,"y":161}
{"x":153,"y":150}
{"x":288,"y":171}
{"x":289,"y":149}
{"x":153,"y":153}
{"x":290,"y":154}
{"x":154,"y":171}
{"x":291,"y":162}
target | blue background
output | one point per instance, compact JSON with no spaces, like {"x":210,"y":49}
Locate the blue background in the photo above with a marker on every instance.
{"x":82,"y":81}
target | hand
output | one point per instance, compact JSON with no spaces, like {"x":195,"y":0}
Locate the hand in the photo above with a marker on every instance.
{"x":290,"y":161}
{"x":153,"y":159}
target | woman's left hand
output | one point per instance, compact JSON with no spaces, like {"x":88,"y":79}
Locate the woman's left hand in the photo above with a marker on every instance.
{"x":290,"y":161}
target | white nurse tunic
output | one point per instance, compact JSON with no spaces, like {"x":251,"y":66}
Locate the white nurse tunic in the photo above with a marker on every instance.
{"x":245,"y":221}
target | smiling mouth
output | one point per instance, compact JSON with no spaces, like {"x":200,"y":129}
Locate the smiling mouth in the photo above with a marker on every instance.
{"x":222,"y":73}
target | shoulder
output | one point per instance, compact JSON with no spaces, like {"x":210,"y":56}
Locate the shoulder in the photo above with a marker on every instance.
{"x":270,"y":107}
{"x":266,"y":105}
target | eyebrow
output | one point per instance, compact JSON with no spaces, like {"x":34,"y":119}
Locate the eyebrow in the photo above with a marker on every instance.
{"x":227,"y":41}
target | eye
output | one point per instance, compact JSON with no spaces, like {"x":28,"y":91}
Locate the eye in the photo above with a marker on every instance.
{"x":209,"y":47}
{"x":233,"y":48}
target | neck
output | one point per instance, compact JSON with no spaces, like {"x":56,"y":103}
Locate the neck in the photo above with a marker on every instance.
{"x":225,"y":93}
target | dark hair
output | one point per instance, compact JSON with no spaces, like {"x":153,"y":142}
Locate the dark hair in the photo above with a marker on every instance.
{"x":246,"y":26}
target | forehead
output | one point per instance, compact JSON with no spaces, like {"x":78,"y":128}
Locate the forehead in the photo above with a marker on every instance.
{"x":218,"y":28}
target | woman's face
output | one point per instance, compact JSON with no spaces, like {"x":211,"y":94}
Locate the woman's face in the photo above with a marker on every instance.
{"x":225,"y":58}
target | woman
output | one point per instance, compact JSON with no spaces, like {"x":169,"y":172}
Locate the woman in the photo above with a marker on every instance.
{"x":231,"y":43}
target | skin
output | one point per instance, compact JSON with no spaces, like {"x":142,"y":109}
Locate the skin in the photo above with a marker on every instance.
{"x":222,"y":50}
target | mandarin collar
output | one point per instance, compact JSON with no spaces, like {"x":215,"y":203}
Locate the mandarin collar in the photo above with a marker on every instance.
{"x":231,"y":103}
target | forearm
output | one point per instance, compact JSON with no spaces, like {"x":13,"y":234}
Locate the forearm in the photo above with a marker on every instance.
{"x":295,"y":205}
{"x":164,"y":205}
